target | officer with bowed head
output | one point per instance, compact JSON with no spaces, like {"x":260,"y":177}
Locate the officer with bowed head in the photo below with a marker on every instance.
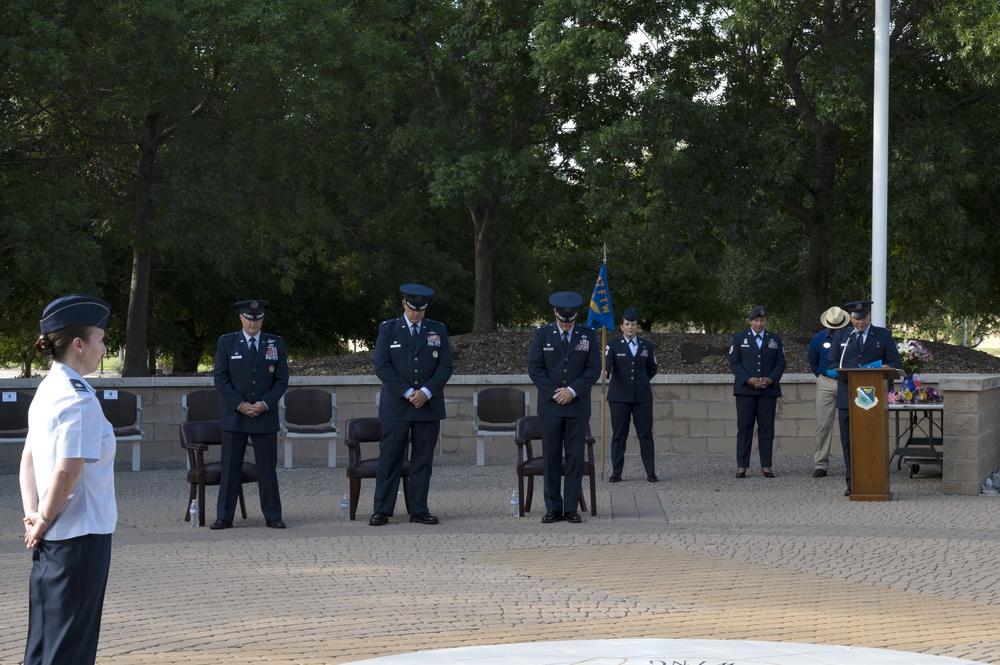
{"x":251,"y":375}
{"x":564,"y":362}
{"x":859,"y":345}
{"x":413,"y":360}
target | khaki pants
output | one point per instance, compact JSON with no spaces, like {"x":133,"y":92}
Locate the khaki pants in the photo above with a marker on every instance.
{"x":826,"y":414}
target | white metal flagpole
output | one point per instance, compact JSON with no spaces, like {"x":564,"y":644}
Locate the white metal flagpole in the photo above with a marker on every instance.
{"x":880,"y":164}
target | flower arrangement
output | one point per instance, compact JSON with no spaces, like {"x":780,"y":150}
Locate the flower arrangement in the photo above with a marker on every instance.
{"x":914,"y":355}
{"x":915,"y":395}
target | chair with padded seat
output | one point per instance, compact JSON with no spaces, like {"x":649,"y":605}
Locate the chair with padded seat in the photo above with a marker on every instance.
{"x":123,"y":409}
{"x":197,"y":438}
{"x":309,"y":413}
{"x":201,"y":404}
{"x":358,"y":431}
{"x":494,"y":413}
{"x":14,"y":415}
{"x":529,"y":429}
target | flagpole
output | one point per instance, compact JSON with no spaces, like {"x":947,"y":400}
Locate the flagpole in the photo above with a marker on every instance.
{"x":602,"y":312}
{"x":604,"y":345}
{"x":604,"y":359}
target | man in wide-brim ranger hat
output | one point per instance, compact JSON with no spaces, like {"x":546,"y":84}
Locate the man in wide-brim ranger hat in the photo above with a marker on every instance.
{"x":832,"y":320}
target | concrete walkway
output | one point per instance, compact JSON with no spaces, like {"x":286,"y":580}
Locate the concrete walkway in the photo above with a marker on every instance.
{"x":700,"y":555}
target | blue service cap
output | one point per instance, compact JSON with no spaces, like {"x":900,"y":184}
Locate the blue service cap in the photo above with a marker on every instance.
{"x":566,"y":304}
{"x":417,"y":296}
{"x":630,"y":314}
{"x":74,"y":310}
{"x":859,"y":309}
{"x":252,"y":309}
{"x":757,"y":312}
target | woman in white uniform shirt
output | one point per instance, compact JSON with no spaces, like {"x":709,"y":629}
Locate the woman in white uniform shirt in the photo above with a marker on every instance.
{"x":68,"y":488}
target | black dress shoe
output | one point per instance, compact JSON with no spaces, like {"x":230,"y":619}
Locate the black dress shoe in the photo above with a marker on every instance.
{"x":572,"y":518}
{"x":221,"y":524}
{"x":551,"y":517}
{"x":615,"y":478}
{"x":741,"y":474}
{"x":378,"y":519}
{"x":768,"y":473}
{"x":819,"y":473}
{"x":276,"y":524}
{"x":847,"y":492}
{"x":651,"y":477}
{"x":424,"y":518}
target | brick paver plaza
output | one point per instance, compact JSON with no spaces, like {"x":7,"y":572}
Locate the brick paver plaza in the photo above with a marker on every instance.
{"x":698,"y":555}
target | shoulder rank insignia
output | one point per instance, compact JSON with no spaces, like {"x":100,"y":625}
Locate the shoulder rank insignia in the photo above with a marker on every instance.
{"x":79,"y":386}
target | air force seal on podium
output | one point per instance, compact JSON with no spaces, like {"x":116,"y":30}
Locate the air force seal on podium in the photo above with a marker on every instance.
{"x":866,"y":398}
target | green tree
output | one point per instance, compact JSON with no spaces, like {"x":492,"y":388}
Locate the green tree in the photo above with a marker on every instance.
{"x":508,"y":86}
{"x":780,"y":139}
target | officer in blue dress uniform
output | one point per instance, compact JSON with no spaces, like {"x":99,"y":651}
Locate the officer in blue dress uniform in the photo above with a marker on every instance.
{"x":859,"y":345}
{"x":631,"y":363}
{"x":757,"y":359}
{"x":413,"y":360}
{"x":251,"y":375}
{"x":564,"y":362}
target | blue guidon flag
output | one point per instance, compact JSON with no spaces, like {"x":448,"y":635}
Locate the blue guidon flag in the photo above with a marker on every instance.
{"x":601,"y":314}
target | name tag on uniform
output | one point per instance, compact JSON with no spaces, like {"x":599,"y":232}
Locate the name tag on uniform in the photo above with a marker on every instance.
{"x":548,"y":348}
{"x":395,"y":346}
{"x":235,"y":357}
{"x":620,"y":355}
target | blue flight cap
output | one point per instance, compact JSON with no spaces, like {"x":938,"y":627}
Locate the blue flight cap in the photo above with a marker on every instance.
{"x":757,"y":312}
{"x":567,"y":304}
{"x":417,"y":296}
{"x":74,"y":310}
{"x":630,"y":314}
{"x":252,"y":309}
{"x":859,"y":309}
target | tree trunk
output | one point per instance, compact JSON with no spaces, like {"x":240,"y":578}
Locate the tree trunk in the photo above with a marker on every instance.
{"x":816,"y":290}
{"x":136,"y":342}
{"x":186,"y":358}
{"x":26,"y":358}
{"x":482,"y":220}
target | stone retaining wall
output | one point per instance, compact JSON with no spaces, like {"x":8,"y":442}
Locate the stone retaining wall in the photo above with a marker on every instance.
{"x":693,"y":414}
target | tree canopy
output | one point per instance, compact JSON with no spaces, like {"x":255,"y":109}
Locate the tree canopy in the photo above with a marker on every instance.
{"x":176,"y":156}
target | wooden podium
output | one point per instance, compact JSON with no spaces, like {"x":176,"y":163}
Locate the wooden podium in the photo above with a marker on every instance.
{"x":869,"y":418}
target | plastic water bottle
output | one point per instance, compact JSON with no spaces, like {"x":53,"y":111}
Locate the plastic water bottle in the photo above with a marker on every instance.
{"x":193,"y":511}
{"x":345,"y":509}
{"x":515,"y":504}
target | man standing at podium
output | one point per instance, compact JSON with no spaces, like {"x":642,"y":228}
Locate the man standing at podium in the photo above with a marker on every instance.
{"x":859,"y":345}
